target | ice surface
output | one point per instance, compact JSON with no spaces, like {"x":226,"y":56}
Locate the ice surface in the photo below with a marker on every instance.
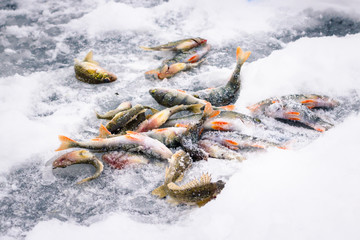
{"x":309,"y":192}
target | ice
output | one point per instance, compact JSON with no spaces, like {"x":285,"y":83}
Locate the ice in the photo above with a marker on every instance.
{"x":308,"y":192}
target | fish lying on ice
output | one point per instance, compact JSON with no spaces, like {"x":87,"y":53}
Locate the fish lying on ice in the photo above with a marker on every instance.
{"x":216,"y":150}
{"x":309,"y":100}
{"x":219,"y":121}
{"x":195,"y":192}
{"x":110,"y":114}
{"x":295,"y":112}
{"x":159,"y":118}
{"x":167,"y":71}
{"x":192,"y":56}
{"x":132,"y":142}
{"x":79,"y":157}
{"x":171,"y":97}
{"x":239,"y":141}
{"x":121,"y":119}
{"x":180,"y":45}
{"x":229,"y":93}
{"x":178,"y":164}
{"x":89,"y":71}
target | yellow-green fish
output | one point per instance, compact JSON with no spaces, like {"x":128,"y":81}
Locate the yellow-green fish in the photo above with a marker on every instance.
{"x":110,"y":114}
{"x":79,"y":157}
{"x":180,"y":45}
{"x":159,"y":118}
{"x":179,"y":163}
{"x":195,"y":192}
{"x":89,"y":71}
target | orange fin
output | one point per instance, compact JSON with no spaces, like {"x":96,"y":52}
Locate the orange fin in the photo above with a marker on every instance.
{"x":214,"y":113}
{"x":160,"y":130}
{"x":218,"y":128}
{"x":293,"y":113}
{"x":97,"y":139}
{"x":66,"y":143}
{"x":231,"y":142}
{"x":221,"y":123}
{"x":133,"y":136}
{"x":181,"y":125}
{"x":228,"y":107}
{"x":180,"y":90}
{"x":241,"y":56}
{"x":193,"y":59}
{"x":103,"y":132}
{"x":294,"y":118}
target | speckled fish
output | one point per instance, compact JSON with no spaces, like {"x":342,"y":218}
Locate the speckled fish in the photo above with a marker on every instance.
{"x":190,"y":138}
{"x":171,"y":97}
{"x":220,"y":120}
{"x":298,"y":113}
{"x":195,"y":192}
{"x":240,"y":141}
{"x":168,"y":71}
{"x":169,"y":136}
{"x":216,"y":150}
{"x":122,"y":118}
{"x":229,"y":93}
{"x":132,"y":142}
{"x":180,"y":45}
{"x":109,"y":115}
{"x":159,"y":118}
{"x":89,"y":71}
{"x":309,"y":100}
{"x":122,"y":159}
{"x":178,"y":164}
{"x":79,"y":157}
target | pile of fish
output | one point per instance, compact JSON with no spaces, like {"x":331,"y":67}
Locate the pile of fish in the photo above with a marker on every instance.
{"x":141,"y":134}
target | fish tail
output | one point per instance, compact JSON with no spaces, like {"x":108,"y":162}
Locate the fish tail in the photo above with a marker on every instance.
{"x":160,"y":192}
{"x":242,"y":56}
{"x":103,"y":132}
{"x":195,"y":108}
{"x":66,"y":143}
{"x":89,"y":58}
{"x":208,"y":110}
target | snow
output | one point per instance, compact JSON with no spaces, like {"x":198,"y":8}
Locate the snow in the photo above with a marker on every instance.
{"x":305,"y":193}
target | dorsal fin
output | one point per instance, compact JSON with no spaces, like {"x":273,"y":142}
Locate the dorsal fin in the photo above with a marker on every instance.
{"x":89,"y":58}
{"x":205,"y":179}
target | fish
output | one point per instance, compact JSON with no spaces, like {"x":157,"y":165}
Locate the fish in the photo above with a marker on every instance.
{"x":168,"y":71}
{"x":171,"y":97}
{"x":191,"y":136}
{"x":239,"y":141}
{"x":122,"y":159}
{"x":228,"y":93}
{"x":311,"y":101}
{"x":296,"y":112}
{"x":195,"y":192}
{"x":180,"y":45}
{"x":219,"y":121}
{"x":79,"y":157}
{"x":178,"y":164}
{"x":131,"y":141}
{"x":216,"y":150}
{"x":170,"y":137}
{"x":159,"y":118}
{"x":109,"y":115}
{"x":192,"y":56}
{"x":121,"y":119}
{"x":89,"y":71}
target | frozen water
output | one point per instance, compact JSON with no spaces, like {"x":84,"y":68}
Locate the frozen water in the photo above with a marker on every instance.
{"x":309,"y":192}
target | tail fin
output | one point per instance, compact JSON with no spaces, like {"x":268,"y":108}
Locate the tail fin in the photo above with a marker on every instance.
{"x":103,"y":132}
{"x":208,"y":110}
{"x":160,"y":192}
{"x":242,"y":56}
{"x":227,"y":107}
{"x":195,"y":108}
{"x":66,"y":143}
